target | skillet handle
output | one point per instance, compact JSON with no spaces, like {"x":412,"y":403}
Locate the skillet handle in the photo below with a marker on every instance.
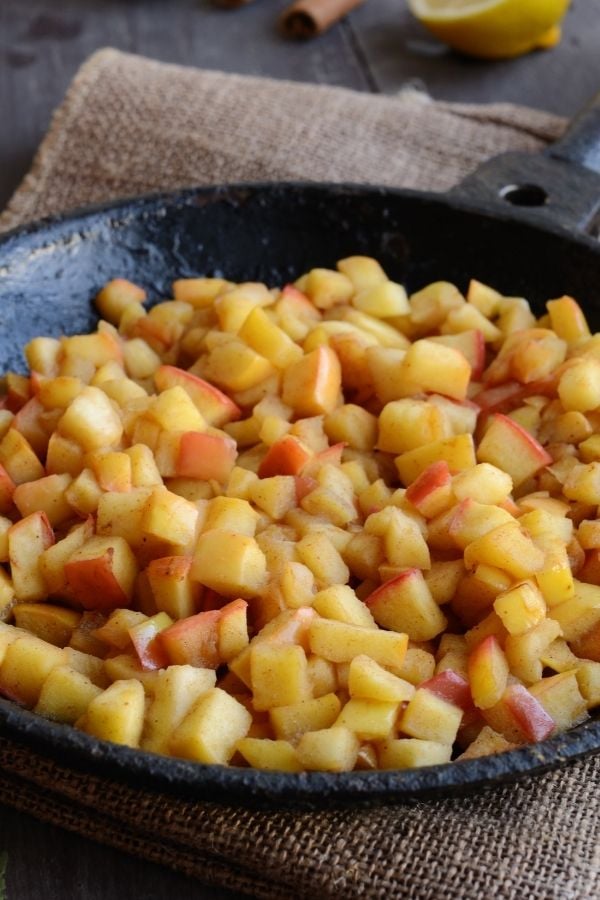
{"x":560,"y":186}
{"x":580,"y":144}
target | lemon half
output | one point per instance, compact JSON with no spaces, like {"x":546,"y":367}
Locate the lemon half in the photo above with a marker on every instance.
{"x":492,"y":29}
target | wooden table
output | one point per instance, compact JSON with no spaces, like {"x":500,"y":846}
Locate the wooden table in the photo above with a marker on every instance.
{"x":378,"y":48}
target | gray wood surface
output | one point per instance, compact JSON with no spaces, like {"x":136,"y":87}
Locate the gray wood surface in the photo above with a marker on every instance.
{"x":378,"y":48}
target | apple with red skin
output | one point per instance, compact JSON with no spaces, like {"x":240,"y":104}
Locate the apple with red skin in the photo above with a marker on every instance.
{"x":471,"y":344}
{"x":430,"y":488}
{"x":150,"y":651}
{"x":205,"y":456}
{"x":216,"y":407}
{"x":454,"y":688}
{"x":7,"y":489}
{"x":193,"y":641}
{"x":507,"y":445}
{"x":528,"y":713}
{"x":287,"y":456}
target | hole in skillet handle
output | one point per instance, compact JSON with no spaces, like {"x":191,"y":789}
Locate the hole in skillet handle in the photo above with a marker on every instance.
{"x":524,"y":194}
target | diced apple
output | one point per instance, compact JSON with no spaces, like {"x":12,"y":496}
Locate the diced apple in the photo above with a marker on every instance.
{"x":412,"y":753}
{"x":332,"y":749}
{"x":117,"y":714}
{"x":488,"y":673}
{"x":66,"y":695}
{"x":101,"y":573}
{"x":27,"y":540}
{"x":431,"y":718}
{"x":26,"y":664}
{"x":509,"y":447}
{"x":341,"y":642}
{"x":311,"y":385}
{"x":212,"y":728}
{"x":404,"y":604}
{"x":215,"y":406}
{"x":91,"y":420}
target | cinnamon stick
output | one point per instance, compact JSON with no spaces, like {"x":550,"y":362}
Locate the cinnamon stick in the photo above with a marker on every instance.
{"x":308,"y":18}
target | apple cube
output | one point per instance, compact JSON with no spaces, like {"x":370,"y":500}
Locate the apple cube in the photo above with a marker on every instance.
{"x":561,"y":698}
{"x":340,"y":642}
{"x":46,"y":495}
{"x":27,"y":540}
{"x":520,"y":608}
{"x":488,"y":673}
{"x":457,"y":451}
{"x":332,"y":749}
{"x":519,"y":716}
{"x":525,"y":651}
{"x":511,"y":448}
{"x":231,"y":564}
{"x":26,"y":664}
{"x":432,"y":491}
{"x":368,"y":680}
{"x":18,"y":459}
{"x":193,"y":640}
{"x":291,"y":722}
{"x":210,"y":731}
{"x":263,"y":753}
{"x":506,"y":547}
{"x":412,"y":753}
{"x":404,"y":604}
{"x":432,"y":367}
{"x":177,"y":689}
{"x":340,"y":602}
{"x":407,"y":424}
{"x":101,"y":573}
{"x":66,"y":695}
{"x":567,"y":320}
{"x":369,"y":719}
{"x":205,"y":456}
{"x":278,"y":674}
{"x":91,"y":420}
{"x":311,"y":386}
{"x":431,"y":718}
{"x":215,"y":406}
{"x":169,"y":518}
{"x":319,"y":554}
{"x":53,"y":624}
{"x":171,"y":586}
{"x":486,"y":743}
{"x":117,"y":714}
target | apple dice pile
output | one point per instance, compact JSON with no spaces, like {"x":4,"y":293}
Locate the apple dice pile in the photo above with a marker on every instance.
{"x":324,"y":527}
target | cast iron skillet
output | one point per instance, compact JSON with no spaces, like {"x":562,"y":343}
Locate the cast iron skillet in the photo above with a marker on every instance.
{"x":525,"y":224}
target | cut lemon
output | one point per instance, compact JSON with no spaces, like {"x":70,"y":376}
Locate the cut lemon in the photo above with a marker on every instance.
{"x":492,"y":29}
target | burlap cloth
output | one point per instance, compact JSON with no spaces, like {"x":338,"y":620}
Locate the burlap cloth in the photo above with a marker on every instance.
{"x":127,"y":126}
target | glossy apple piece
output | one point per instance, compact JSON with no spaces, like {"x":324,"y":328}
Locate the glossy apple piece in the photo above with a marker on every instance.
{"x":150,"y":652}
{"x":101,"y":573}
{"x":451,"y":686}
{"x":311,"y":386}
{"x":528,"y":713}
{"x":488,"y":673}
{"x":216,"y":407}
{"x":193,"y":641}
{"x":431,"y":492}
{"x":205,"y":456}
{"x":27,"y":540}
{"x":471,"y":344}
{"x":286,"y":456}
{"x":511,"y":448}
{"x":404,"y":604}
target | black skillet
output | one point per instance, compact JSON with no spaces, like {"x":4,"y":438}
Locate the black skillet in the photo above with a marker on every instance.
{"x":525,"y":224}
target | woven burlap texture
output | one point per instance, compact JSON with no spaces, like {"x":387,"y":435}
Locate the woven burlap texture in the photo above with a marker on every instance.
{"x":128,"y":126}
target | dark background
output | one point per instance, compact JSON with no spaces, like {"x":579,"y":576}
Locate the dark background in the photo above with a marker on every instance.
{"x":377,"y":48}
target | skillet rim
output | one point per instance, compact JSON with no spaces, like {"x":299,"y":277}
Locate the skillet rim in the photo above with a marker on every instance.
{"x":252,"y":786}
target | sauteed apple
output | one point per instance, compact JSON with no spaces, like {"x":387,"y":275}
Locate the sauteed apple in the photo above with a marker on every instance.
{"x":319,"y":527}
